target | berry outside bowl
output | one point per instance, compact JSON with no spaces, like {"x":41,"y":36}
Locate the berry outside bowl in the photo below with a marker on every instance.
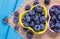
{"x":45,"y":14}
{"x":56,"y":4}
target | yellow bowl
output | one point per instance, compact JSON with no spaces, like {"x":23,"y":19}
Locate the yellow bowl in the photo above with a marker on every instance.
{"x":45,"y":14}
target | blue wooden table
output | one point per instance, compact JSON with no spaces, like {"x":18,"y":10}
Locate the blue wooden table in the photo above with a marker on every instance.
{"x":6,"y":9}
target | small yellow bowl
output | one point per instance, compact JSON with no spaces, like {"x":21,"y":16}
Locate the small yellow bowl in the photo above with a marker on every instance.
{"x":45,"y":14}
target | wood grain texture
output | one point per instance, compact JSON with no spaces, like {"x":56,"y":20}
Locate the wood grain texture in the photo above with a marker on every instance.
{"x":48,"y":34}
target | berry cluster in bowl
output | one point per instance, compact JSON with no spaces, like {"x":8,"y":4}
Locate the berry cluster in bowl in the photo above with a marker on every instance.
{"x":35,"y":19}
{"x":54,"y":21}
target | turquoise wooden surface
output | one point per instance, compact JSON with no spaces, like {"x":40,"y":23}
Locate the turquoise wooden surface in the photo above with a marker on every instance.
{"x":6,"y":9}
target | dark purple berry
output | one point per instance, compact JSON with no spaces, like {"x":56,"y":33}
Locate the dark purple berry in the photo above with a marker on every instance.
{"x":53,"y":18}
{"x":26,"y":24}
{"x":58,"y":17}
{"x":59,"y":7}
{"x":28,"y":18}
{"x":56,"y":30}
{"x":5,"y":20}
{"x":15,"y":19}
{"x":51,"y":22}
{"x":25,"y":29}
{"x":52,"y":10}
{"x":16,"y":27}
{"x":37,"y":27}
{"x":52,"y":26}
{"x":46,"y":1}
{"x":42,"y":19}
{"x":27,"y":7}
{"x":57,"y":12}
{"x":32,"y":23}
{"x":51,"y":14}
{"x":29,"y":35}
{"x":27,"y":14}
{"x":57,"y":25}
{"x":37,"y":22}
{"x":57,"y":21}
{"x":35,"y":18}
{"x":24,"y":19}
{"x":32,"y":12}
{"x":42,"y":14}
{"x":38,"y":9}
{"x":42,"y":26}
{"x":38,"y":14}
{"x":16,"y":14}
{"x":36,"y":2}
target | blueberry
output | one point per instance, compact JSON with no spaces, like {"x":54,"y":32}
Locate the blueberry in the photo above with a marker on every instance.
{"x":59,"y":30}
{"x":42,"y":14}
{"x":5,"y":20}
{"x":59,"y":7}
{"x":29,"y":35}
{"x":26,"y":24}
{"x":16,"y":14}
{"x":58,"y":17}
{"x":38,"y":9}
{"x":46,"y":1}
{"x":16,"y":27}
{"x":28,"y":18}
{"x":56,"y":31}
{"x":57,"y":20}
{"x":38,"y":14}
{"x":52,"y":26}
{"x":27,"y":14}
{"x":51,"y":22}
{"x":36,"y":2}
{"x":57,"y":12}
{"x":42,"y":26}
{"x":52,"y":10}
{"x":32,"y":23}
{"x":35,"y":18}
{"x":32,"y":12}
{"x":27,"y":7}
{"x":53,"y":18}
{"x":25,"y":29}
{"x":24,"y":19}
{"x":37,"y":27}
{"x":15,"y":19}
{"x":42,"y":19}
{"x":51,"y":14}
{"x":57,"y":25}
{"x":37,"y":22}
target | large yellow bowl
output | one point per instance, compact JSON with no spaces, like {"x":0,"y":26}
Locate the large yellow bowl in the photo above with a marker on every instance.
{"x":45,"y":14}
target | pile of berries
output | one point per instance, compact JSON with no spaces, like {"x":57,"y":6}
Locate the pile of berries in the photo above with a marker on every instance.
{"x":54,"y":12}
{"x":35,"y":19}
